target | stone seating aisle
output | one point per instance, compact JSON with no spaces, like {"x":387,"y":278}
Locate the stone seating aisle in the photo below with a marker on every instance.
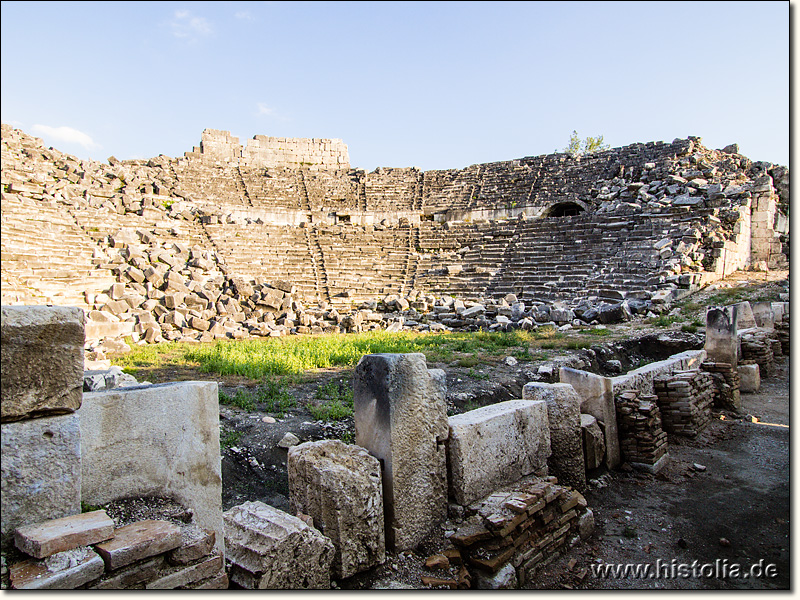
{"x":269,"y":252}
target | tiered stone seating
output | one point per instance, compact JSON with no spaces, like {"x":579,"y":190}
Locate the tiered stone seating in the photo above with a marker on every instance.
{"x":368,"y":262}
{"x":46,"y":256}
{"x":334,"y":191}
{"x":450,"y":189}
{"x":273,"y":188}
{"x":389,"y":190}
{"x":216,"y":185}
{"x":265,"y":251}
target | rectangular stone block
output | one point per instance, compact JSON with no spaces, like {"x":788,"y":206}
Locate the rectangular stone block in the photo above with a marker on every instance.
{"x":271,"y":549}
{"x":401,"y":419}
{"x":57,"y":535}
{"x":155,"y":440}
{"x":566,"y":460}
{"x":138,"y":541}
{"x":184,"y":576}
{"x":41,"y":471}
{"x":41,"y":351}
{"x":722,"y":339}
{"x":749,"y":378}
{"x":597,"y":399}
{"x":63,"y":571}
{"x":339,"y":486}
{"x":496,"y":445}
{"x":195,"y":543}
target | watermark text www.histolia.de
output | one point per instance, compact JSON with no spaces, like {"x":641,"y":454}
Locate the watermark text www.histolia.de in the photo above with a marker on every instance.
{"x":673,"y":569}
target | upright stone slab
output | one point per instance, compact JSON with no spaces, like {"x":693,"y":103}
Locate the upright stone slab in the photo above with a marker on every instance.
{"x":597,"y":399}
{"x":722,"y":339}
{"x":160,"y":440}
{"x":566,"y":461}
{"x":494,"y":446}
{"x":763,"y":315}
{"x":271,"y":549}
{"x":339,"y":486}
{"x":594,"y":446}
{"x":41,"y":471}
{"x":42,"y":361}
{"x":746,"y":319}
{"x":401,"y":418}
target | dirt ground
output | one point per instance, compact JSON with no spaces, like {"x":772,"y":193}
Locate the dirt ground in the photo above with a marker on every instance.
{"x":723,"y":497}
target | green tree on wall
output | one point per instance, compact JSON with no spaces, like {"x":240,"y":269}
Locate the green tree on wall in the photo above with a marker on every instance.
{"x":576,"y":146}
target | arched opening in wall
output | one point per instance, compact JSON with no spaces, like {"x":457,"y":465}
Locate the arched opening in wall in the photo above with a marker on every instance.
{"x":564,"y":209}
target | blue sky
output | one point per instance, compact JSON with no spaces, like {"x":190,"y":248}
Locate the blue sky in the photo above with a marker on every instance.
{"x":433,"y":85}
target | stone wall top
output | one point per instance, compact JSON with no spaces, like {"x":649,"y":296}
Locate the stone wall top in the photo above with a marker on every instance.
{"x":217,"y":146}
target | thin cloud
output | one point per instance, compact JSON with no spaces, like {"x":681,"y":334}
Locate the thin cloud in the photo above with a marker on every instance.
{"x":243,"y":15}
{"x":66,"y":135}
{"x":264,"y":110}
{"x":186,"y":26}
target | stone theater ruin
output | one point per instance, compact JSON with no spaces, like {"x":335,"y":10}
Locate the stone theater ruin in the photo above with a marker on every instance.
{"x":281,"y":237}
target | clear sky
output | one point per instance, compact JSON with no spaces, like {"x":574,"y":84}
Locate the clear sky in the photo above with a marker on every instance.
{"x":433,"y":85}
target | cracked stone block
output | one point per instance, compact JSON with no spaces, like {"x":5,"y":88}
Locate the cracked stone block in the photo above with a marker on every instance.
{"x":271,"y":549}
{"x":339,"y":486}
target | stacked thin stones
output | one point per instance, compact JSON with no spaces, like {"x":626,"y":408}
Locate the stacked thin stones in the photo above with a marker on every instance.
{"x":757,"y":348}
{"x":641,"y":437}
{"x":525,"y":526}
{"x":726,"y":384}
{"x":685,"y":400}
{"x":782,"y":331}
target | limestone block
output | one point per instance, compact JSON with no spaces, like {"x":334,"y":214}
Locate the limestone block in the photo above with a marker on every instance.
{"x":594,"y":445}
{"x":749,"y":378}
{"x":401,"y":419}
{"x":138,"y":541}
{"x":155,"y":440}
{"x":566,"y":460}
{"x":597,"y":399}
{"x":42,"y":360}
{"x":494,"y":446}
{"x":57,"y":535}
{"x":339,"y":486}
{"x":270,"y":549}
{"x":184,"y":576}
{"x":41,"y":471}
{"x":196,"y":543}
{"x":63,"y":571}
{"x":762,"y":313}
{"x":722,"y":339}
{"x":746,"y":318}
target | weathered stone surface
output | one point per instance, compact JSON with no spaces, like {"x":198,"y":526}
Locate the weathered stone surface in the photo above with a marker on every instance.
{"x":566,"y":460}
{"x":271,"y":549}
{"x":763,"y":315}
{"x":746,"y":318}
{"x":722,"y":340}
{"x":594,"y":445}
{"x":130,"y":576}
{"x":178,"y":577}
{"x":749,"y":378}
{"x":401,"y":419}
{"x":597,"y":399}
{"x":63,"y":571}
{"x":41,"y":471}
{"x":339,"y":486}
{"x":504,"y":579}
{"x":496,"y":445}
{"x":138,"y":541}
{"x":195,"y":543}
{"x":42,"y":361}
{"x":155,"y":439}
{"x":57,"y":535}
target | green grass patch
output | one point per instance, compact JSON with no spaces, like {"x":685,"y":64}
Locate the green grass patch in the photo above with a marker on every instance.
{"x":241,"y":399}
{"x":665,"y":320}
{"x":334,"y":401}
{"x":228,"y":439}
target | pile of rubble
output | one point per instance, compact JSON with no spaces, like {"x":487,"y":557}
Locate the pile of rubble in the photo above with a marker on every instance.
{"x":726,"y":384}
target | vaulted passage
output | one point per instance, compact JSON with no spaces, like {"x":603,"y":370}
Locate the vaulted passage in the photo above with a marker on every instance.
{"x":564,"y":209}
